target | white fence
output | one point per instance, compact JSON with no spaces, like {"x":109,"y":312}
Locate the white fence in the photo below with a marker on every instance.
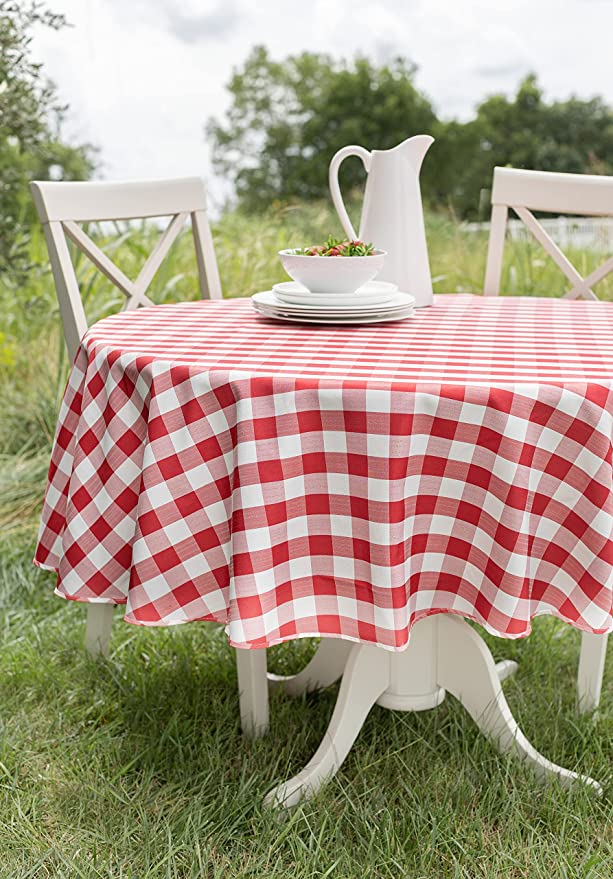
{"x":583,"y":233}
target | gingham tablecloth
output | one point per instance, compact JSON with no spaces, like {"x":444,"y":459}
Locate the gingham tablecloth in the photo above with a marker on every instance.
{"x":290,"y":480}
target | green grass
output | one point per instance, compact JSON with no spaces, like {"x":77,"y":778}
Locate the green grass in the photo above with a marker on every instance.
{"x":135,"y":767}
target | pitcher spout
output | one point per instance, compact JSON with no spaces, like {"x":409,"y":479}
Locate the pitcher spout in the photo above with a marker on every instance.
{"x":415,"y":149}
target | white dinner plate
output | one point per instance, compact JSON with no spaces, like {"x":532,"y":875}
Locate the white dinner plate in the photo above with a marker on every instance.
{"x":369,"y":294}
{"x":279,"y":311}
{"x":269,"y":299}
{"x":342,"y":321}
{"x":329,"y":315}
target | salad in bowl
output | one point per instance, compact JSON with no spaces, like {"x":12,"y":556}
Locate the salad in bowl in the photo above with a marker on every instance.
{"x":355,"y":264}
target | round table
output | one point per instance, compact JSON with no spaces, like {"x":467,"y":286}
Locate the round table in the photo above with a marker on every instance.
{"x":362,"y":484}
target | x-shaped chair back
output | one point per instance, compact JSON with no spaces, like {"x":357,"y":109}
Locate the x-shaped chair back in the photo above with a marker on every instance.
{"x":527,"y":191}
{"x":63,"y":206}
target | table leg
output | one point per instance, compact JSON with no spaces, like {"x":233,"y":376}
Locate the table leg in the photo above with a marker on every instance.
{"x":326,"y":667}
{"x":505,"y":668}
{"x":366,"y":677}
{"x":444,"y":653}
{"x":467,"y":670}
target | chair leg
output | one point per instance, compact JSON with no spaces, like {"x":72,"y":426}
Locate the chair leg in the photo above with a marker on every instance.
{"x":591,"y":671}
{"x":98,"y":629}
{"x":253,"y":691}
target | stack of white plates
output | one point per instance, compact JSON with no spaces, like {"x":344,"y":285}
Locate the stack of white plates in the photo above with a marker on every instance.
{"x":374,"y":302}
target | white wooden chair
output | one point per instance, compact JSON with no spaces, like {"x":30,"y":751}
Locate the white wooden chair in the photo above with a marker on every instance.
{"x":61,"y":208}
{"x":578,"y":194}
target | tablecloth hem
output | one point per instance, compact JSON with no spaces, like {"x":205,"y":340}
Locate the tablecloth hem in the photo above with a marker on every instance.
{"x":221,"y":618}
{"x":273,"y":641}
{"x":92,"y":600}
{"x":43,"y":567}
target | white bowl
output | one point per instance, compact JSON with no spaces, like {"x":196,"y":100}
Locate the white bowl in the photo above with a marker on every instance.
{"x":332,"y":274}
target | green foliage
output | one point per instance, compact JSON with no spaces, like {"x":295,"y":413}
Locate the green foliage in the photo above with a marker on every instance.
{"x":30,"y":117}
{"x":573,"y":136}
{"x":287,"y":119}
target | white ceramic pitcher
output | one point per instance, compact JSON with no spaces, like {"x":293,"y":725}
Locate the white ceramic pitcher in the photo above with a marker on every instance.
{"x":392,"y":213}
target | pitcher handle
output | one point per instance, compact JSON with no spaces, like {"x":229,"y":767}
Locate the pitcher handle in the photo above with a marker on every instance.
{"x":335,"y":189}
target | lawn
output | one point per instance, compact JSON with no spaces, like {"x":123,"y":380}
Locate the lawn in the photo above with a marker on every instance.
{"x":135,"y":767}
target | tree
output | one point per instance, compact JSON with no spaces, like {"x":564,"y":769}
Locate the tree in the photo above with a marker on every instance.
{"x":30,"y":119}
{"x":574,"y":136}
{"x":287,"y":119}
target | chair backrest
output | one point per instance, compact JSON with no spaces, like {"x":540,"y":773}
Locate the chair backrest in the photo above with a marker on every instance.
{"x":527,"y":191}
{"x":62,"y":206}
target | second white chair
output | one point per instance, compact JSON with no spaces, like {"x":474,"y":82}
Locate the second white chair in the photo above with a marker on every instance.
{"x":578,"y":194}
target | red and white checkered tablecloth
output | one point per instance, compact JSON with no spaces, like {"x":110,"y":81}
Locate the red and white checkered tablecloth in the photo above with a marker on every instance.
{"x":290,"y":480}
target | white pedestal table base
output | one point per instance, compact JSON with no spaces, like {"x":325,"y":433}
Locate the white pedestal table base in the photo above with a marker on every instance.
{"x":445,"y":654}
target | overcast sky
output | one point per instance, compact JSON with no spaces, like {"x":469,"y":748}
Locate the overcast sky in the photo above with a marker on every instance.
{"x":142,"y":76}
